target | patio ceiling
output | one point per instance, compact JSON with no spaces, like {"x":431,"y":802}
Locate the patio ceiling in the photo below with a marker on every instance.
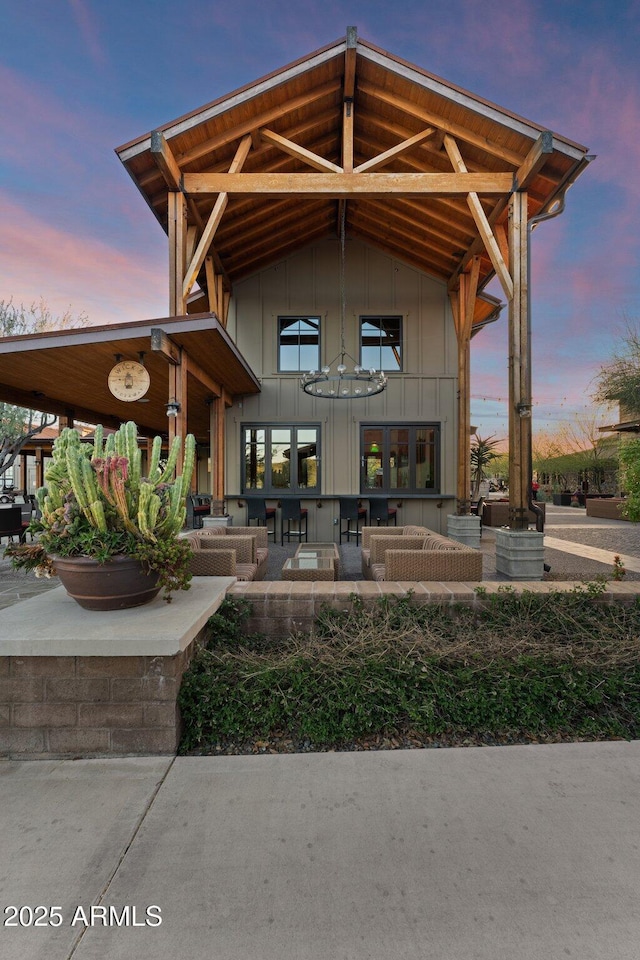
{"x":267,"y":168}
{"x":65,"y":372}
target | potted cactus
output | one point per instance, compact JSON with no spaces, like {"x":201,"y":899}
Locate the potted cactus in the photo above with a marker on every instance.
{"x":106,"y":530}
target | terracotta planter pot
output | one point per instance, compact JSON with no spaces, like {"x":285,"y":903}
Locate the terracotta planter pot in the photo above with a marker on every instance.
{"x":119,"y":583}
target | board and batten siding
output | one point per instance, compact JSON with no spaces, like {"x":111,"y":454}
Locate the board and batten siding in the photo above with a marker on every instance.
{"x":308,"y":282}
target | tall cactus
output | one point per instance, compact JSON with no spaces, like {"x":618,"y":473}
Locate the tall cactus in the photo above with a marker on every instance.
{"x":104,"y":481}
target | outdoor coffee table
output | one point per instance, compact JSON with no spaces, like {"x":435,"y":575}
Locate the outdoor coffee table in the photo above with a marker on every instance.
{"x":309,"y":568}
{"x":327,"y":550}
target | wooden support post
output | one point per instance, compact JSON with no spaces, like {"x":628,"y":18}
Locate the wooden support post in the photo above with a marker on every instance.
{"x":23,"y":474}
{"x":519,"y":367}
{"x":217,"y":455}
{"x":39,"y":458}
{"x":212,"y":289}
{"x":177,"y":212}
{"x":178,"y":393}
{"x":462,"y":305}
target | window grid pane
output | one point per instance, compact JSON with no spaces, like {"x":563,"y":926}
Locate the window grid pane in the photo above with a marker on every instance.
{"x":281,"y":459}
{"x":381,"y":343}
{"x":398,"y":460}
{"x":298,"y":343}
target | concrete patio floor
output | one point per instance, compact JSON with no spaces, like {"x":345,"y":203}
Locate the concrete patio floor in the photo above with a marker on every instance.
{"x":577,"y":547}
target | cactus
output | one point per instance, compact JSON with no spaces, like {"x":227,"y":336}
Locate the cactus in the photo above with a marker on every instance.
{"x":103,"y":482}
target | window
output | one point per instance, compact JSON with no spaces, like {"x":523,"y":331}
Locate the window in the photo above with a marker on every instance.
{"x":298,"y":343}
{"x":401,"y":459}
{"x":381,"y":343}
{"x":279,"y":459}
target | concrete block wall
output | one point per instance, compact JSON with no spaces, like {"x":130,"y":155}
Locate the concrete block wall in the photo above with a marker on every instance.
{"x":90,"y":706}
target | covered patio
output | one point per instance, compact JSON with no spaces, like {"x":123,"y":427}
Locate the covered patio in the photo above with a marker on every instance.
{"x":191,"y":361}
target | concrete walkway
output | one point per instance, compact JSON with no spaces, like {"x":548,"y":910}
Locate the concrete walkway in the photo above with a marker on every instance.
{"x":495,"y":853}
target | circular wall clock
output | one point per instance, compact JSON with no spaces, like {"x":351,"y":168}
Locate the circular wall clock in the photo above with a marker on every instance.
{"x":129,"y":380}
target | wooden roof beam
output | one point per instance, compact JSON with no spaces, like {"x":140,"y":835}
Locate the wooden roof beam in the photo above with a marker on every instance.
{"x":38,"y":401}
{"x":264,"y":119}
{"x":264,"y":257}
{"x":162,"y":344}
{"x":534,"y":161}
{"x":413,"y":218}
{"x":383,"y":158}
{"x":165,"y":161}
{"x":350,"y":56}
{"x":484,"y":228}
{"x":214,"y":220}
{"x":454,"y":129}
{"x":298,"y":152}
{"x":171,"y":172}
{"x":344,"y":185}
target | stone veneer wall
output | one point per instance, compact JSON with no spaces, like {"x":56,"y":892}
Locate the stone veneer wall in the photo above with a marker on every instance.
{"x":90,"y":706}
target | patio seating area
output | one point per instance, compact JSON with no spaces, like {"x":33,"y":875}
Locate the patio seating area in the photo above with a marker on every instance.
{"x":417,"y":554}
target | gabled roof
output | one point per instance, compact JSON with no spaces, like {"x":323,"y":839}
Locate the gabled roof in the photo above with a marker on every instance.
{"x":442,"y":128}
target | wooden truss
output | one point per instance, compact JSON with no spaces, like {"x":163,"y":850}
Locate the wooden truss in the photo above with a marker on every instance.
{"x":427,"y":172}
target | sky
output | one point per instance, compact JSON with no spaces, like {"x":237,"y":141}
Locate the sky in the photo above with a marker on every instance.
{"x":80,"y":77}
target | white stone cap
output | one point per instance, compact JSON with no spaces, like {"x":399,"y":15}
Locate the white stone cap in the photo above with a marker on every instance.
{"x":53,"y":625}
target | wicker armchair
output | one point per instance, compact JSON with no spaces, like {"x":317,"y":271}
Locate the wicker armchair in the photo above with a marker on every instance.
{"x":430,"y":557}
{"x":369,"y":532}
{"x":222,"y":556}
{"x":258,"y":534}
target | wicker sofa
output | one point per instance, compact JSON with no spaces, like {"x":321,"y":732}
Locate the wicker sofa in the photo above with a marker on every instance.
{"x":240,"y":552}
{"x":414,"y":553}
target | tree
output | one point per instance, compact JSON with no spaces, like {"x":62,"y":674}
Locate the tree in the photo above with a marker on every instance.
{"x":17,"y":424}
{"x":482,"y":453}
{"x":584,"y":454}
{"x":619,"y":380}
{"x":630,"y":476}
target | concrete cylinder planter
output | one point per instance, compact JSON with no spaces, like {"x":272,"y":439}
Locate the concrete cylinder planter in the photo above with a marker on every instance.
{"x":118,"y":584}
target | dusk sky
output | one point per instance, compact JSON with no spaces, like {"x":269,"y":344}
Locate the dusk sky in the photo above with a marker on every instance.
{"x":81,"y":77}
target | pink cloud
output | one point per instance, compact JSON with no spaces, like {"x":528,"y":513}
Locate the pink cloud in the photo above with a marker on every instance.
{"x":74,"y":271}
{"x":89,"y":31}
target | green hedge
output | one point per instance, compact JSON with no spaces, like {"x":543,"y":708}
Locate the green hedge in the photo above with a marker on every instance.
{"x":522,"y":666}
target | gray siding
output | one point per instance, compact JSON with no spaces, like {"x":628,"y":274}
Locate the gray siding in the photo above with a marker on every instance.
{"x":308,"y":282}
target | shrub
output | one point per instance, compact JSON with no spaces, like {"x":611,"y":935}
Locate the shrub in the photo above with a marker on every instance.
{"x":519,"y":665}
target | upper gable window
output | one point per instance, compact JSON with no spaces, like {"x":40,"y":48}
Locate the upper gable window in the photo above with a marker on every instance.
{"x":381,"y":343}
{"x":298,"y":344}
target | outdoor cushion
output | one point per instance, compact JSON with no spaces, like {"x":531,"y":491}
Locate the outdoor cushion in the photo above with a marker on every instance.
{"x":245,"y":547}
{"x":380,"y":544}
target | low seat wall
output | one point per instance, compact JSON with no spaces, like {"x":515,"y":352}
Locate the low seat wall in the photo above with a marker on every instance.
{"x":608,"y":508}
{"x":279,"y":608}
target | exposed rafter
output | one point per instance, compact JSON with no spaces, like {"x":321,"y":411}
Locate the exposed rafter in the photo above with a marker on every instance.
{"x":348,"y":125}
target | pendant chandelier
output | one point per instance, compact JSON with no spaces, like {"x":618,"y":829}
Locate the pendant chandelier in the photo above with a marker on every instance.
{"x":337,"y":381}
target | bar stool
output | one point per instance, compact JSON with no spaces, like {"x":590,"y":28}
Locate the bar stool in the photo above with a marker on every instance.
{"x":351,"y":510}
{"x":381,"y":512}
{"x":293,"y":512}
{"x":258,"y":510}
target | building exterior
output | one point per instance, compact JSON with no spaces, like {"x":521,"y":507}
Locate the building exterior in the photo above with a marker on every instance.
{"x":349,"y":208}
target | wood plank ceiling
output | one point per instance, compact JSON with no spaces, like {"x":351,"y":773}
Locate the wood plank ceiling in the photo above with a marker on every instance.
{"x":336,"y":118}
